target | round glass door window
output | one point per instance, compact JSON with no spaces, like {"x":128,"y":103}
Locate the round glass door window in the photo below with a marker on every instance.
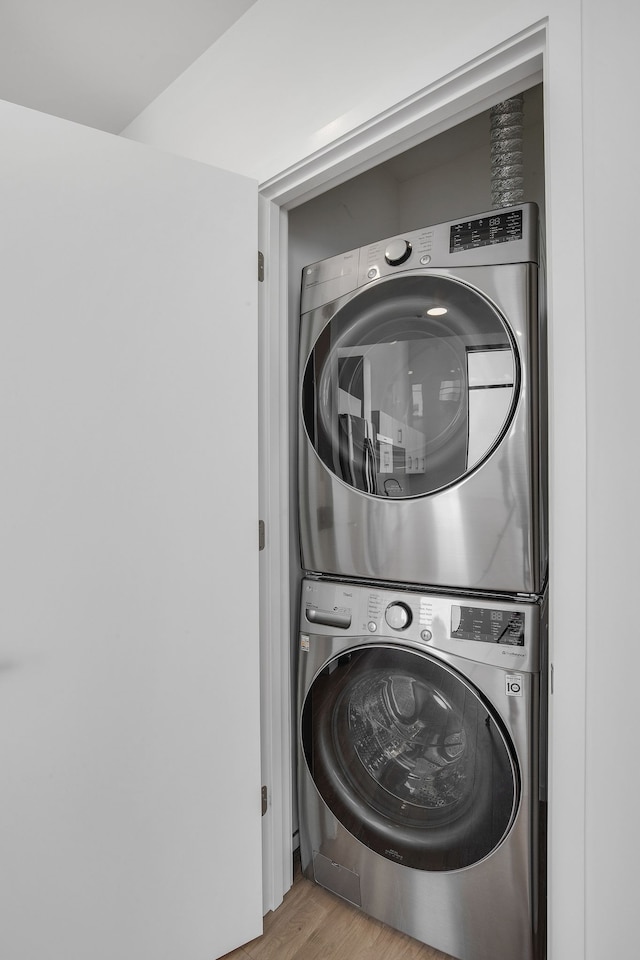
{"x":410,"y":386}
{"x":410,"y":758}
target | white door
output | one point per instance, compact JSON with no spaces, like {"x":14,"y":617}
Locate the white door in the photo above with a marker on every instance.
{"x":129,"y":676}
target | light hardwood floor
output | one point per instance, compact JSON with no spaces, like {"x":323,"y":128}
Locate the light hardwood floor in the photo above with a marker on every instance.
{"x":314,"y":924}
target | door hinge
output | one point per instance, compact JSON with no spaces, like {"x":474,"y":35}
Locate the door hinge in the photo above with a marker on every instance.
{"x":265,"y":802}
{"x":261,"y":535}
{"x":260,"y":266}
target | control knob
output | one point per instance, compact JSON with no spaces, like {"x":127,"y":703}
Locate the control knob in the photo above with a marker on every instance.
{"x":397,"y":252}
{"x":398,"y":616}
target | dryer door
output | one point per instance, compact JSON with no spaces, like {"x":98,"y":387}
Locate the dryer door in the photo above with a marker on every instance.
{"x":410,"y":758}
{"x":410,"y":386}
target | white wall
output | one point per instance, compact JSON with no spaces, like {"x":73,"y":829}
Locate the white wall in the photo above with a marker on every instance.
{"x":288,"y":80}
{"x":612,"y":211}
{"x":292,"y":76}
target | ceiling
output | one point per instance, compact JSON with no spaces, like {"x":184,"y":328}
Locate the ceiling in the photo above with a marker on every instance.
{"x":101,"y":62}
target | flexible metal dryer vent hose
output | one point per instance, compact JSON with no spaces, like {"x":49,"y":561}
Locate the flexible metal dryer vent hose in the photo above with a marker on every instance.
{"x":507,"y":181}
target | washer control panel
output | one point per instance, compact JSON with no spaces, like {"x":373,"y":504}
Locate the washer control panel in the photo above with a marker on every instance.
{"x":504,"y":632}
{"x":490,"y":625}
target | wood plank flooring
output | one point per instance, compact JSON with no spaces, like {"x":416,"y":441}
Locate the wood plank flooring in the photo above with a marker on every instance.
{"x":314,"y":924}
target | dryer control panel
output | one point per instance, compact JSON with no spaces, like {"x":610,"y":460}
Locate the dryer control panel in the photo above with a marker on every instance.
{"x":498,"y":236}
{"x":485,"y":231}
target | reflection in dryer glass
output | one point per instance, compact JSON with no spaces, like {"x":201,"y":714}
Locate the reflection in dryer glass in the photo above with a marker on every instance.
{"x":400,"y":402}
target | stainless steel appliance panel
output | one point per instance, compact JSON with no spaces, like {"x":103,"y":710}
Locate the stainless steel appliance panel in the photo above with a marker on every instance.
{"x":369,"y":508}
{"x":490,"y":649}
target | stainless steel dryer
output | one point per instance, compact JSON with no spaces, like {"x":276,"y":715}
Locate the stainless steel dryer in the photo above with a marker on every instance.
{"x":419,"y":752}
{"x":422,"y":409}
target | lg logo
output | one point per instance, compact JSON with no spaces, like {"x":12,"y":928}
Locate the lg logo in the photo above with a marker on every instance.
{"x":514,"y":685}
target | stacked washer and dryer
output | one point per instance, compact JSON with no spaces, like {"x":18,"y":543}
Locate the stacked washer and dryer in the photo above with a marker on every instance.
{"x":422,"y":465}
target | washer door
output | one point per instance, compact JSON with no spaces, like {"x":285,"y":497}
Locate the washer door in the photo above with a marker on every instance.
{"x":410,"y":758}
{"x":410,"y":386}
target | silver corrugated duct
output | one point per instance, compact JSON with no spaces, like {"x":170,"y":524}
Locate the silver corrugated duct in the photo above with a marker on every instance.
{"x":507,"y":181}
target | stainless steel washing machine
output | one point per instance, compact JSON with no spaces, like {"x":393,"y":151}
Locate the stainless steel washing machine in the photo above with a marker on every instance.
{"x":422,"y":408}
{"x":420,"y":750}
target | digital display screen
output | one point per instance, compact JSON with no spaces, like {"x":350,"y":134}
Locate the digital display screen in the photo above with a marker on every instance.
{"x":498,"y":228}
{"x":490,"y":626}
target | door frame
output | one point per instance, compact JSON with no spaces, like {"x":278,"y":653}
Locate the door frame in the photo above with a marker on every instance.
{"x":548,"y":50}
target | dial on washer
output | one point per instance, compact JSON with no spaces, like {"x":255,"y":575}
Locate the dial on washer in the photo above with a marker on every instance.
{"x":398,"y":616}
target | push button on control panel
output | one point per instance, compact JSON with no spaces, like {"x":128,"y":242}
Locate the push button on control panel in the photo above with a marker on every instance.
{"x":398,"y":616}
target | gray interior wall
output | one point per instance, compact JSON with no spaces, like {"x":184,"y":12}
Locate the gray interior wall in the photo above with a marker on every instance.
{"x":446,"y":177}
{"x":355,"y":213}
{"x":450,"y":176}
